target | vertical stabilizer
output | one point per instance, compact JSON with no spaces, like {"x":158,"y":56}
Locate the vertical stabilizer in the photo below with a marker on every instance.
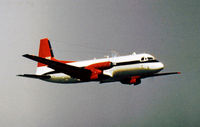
{"x":45,"y":51}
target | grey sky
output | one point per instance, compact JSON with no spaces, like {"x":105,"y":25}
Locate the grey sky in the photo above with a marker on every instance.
{"x":83,"y":29}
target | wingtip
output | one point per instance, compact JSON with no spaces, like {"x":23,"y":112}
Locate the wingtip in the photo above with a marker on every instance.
{"x":20,"y":75}
{"x":178,"y":72}
{"x":25,"y":55}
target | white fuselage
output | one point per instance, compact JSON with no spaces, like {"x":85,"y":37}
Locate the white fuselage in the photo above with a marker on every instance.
{"x":123,"y":66}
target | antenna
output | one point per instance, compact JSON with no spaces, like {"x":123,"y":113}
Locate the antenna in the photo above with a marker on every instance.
{"x":133,"y":53}
{"x":114,"y":53}
{"x":106,"y":56}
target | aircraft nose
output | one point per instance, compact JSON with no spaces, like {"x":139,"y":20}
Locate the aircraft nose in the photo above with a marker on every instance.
{"x":161,"y":66}
{"x":157,"y":66}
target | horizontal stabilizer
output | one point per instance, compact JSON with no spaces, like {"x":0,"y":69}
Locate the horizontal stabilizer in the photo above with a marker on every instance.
{"x":35,"y":76}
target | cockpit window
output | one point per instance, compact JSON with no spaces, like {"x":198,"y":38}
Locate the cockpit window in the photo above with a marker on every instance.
{"x":147,"y":58}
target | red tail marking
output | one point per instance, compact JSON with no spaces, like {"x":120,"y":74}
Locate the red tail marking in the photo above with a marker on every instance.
{"x":44,"y":50}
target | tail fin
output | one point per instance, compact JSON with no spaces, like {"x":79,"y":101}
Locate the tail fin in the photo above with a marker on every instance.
{"x":45,"y":51}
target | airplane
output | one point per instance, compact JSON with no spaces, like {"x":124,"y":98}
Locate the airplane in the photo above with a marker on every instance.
{"x":129,"y":69}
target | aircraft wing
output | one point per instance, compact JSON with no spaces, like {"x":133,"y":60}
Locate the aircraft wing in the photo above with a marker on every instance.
{"x":35,"y":76}
{"x":75,"y":72}
{"x":159,"y":74}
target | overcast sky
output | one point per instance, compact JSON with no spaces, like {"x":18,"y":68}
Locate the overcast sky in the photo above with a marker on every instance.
{"x":84,"y":29}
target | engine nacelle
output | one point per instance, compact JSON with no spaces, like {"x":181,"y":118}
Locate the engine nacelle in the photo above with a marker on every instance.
{"x":101,"y":66}
{"x":97,"y":69}
{"x":136,"y":80}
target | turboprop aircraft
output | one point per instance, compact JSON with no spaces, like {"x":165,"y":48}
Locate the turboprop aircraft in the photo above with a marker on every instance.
{"x":129,"y":69}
